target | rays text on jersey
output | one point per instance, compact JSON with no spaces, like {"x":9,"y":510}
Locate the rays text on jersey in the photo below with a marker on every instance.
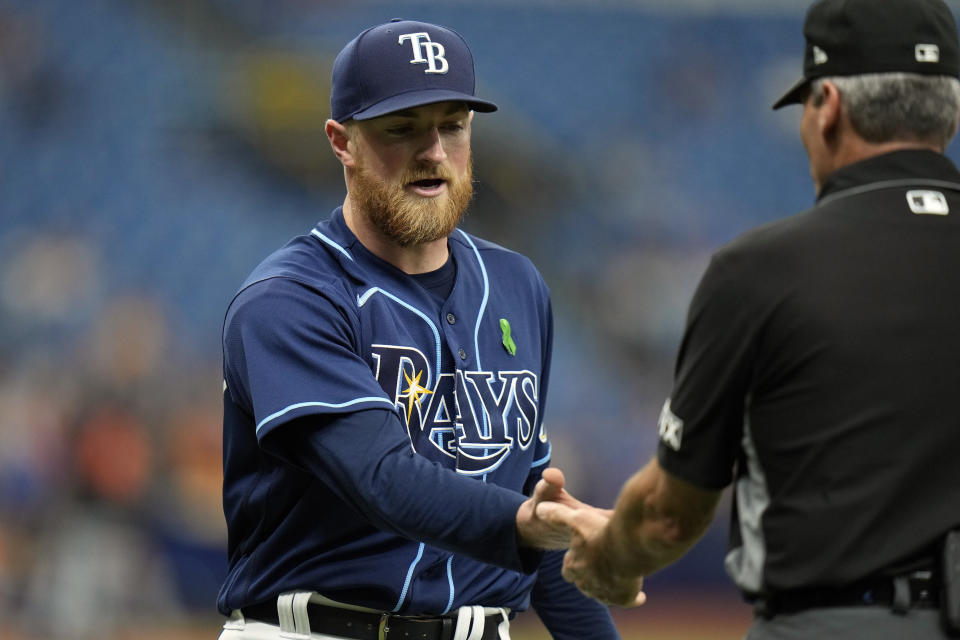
{"x":477,"y":417}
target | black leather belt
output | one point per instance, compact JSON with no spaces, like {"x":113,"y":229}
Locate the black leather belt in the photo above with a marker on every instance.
{"x":361,"y":625}
{"x":917,"y":590}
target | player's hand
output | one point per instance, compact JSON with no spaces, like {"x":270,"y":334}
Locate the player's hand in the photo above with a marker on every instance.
{"x":532,"y":530}
{"x":586,"y":564}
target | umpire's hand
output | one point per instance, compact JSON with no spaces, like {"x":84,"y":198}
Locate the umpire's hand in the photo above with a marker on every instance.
{"x":586,"y":564}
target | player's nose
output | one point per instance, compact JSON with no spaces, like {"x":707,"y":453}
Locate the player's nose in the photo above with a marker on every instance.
{"x":432,"y":149}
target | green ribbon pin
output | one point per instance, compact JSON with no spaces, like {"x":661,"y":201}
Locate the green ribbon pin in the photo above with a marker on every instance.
{"x":508,"y":343}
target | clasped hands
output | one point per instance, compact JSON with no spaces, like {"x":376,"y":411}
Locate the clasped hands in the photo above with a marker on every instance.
{"x":554,"y":519}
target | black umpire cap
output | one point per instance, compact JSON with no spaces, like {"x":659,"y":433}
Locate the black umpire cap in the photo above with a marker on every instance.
{"x":852,"y":37}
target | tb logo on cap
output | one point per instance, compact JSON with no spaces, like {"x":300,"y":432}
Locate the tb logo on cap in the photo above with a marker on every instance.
{"x":423,"y":46}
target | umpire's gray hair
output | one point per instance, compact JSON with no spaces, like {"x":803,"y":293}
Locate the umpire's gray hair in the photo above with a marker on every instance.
{"x":887,"y":107}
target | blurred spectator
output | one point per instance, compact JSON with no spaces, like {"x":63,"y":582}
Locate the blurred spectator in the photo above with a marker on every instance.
{"x":96,"y":568}
{"x":29,"y":81}
{"x":190,"y":522}
{"x":50,"y":286}
{"x":6,"y":577}
{"x":129,"y":342}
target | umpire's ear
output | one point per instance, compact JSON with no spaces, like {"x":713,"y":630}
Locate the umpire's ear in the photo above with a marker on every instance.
{"x":830,"y":111}
{"x":339,"y":136}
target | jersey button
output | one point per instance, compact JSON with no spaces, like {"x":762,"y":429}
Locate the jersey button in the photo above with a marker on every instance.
{"x":463,"y":354}
{"x":452,"y":319}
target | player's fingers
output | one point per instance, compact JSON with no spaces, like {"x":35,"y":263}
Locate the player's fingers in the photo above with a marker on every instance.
{"x":545,"y":490}
{"x":554,"y":476}
{"x":556,"y":513}
{"x":550,"y":485}
{"x":641,"y":599}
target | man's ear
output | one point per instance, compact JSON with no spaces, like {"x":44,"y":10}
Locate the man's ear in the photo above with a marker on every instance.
{"x":339,"y":138}
{"x":830,"y":110}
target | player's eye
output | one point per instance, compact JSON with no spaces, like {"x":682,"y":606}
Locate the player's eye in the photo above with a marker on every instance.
{"x":399,"y":130}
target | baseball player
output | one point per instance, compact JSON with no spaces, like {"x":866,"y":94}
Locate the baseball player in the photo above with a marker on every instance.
{"x":385,"y":378}
{"x":820,"y":365}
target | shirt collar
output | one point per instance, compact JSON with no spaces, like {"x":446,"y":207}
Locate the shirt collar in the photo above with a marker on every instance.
{"x":896,"y":165}
{"x":335,"y":233}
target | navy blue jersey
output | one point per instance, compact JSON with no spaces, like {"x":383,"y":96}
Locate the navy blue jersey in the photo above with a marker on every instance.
{"x":397,"y":387}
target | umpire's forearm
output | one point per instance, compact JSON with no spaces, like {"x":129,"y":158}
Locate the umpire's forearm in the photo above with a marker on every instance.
{"x":657,"y":519}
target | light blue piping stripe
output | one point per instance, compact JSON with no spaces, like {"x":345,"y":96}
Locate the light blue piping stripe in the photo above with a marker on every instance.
{"x":362,"y":300}
{"x":330,"y":405}
{"x":450,"y":582}
{"x":406,"y":583}
{"x":476,"y":329}
{"x":545,"y":459}
{"x":483,"y":303}
{"x":331,"y":243}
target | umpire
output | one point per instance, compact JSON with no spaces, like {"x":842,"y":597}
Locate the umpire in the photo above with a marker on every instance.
{"x":819,"y":372}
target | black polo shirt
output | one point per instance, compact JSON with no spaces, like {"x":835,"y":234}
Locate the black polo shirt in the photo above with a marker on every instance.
{"x":820,"y":372}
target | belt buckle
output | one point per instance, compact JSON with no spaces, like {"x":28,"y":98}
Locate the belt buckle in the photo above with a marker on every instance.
{"x":384,"y":628}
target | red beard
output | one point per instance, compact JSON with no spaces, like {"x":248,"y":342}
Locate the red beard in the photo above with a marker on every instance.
{"x":408,"y":219}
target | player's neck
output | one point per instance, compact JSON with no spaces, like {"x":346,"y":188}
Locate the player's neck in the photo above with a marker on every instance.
{"x":420,"y":258}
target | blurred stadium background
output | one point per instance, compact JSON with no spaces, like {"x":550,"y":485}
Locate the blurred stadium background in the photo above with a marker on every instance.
{"x":153,"y":151}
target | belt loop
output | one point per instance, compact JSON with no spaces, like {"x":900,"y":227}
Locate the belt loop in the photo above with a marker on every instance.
{"x":236,"y":622}
{"x":503,"y":629}
{"x":901,"y":594}
{"x":927,"y":590}
{"x":479,"y":620}
{"x":301,"y":617}
{"x":292,"y":614}
{"x":384,"y":628}
{"x":285,"y":613}
{"x":464,"y":615}
{"x":446,"y":628}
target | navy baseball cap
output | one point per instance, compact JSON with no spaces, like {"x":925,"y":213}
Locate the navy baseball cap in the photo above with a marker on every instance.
{"x":399,"y":65}
{"x":853,"y":37}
